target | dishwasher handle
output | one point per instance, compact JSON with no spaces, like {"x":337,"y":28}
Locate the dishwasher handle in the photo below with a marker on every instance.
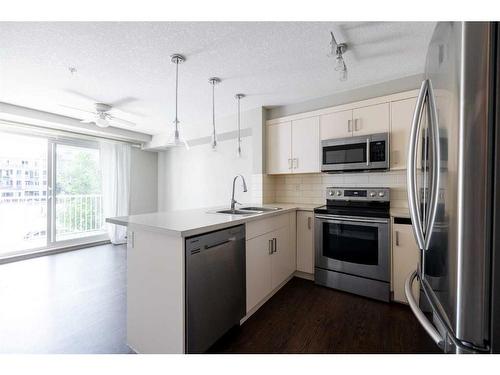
{"x":232,"y":239}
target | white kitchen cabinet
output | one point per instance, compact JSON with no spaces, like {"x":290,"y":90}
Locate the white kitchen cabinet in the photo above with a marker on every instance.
{"x":305,"y":145}
{"x":258,"y":269}
{"x":270,"y":256}
{"x":293,"y":146}
{"x":282,"y":262}
{"x":401,"y":119}
{"x":305,"y":242}
{"x":405,"y":259}
{"x":279,"y":148}
{"x":371,"y":119}
{"x":336,"y":125}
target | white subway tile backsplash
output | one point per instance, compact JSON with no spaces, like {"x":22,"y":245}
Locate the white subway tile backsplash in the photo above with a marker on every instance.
{"x":311,"y":188}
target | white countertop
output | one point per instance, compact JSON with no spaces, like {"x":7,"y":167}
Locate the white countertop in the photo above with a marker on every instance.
{"x":185,"y":223}
{"x":400,"y":212}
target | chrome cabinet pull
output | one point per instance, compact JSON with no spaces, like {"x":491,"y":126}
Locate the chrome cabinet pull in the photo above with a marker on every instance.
{"x":397,"y":238}
{"x":295,"y":163}
{"x":349,"y":125}
{"x":289,"y":163}
{"x":275,"y":244}
{"x":411,"y":173}
{"x":356,"y":125}
{"x":270,"y":247}
{"x":309,"y":220}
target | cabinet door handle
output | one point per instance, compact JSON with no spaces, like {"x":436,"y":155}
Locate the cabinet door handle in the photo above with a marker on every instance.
{"x":289,"y":163}
{"x":309,"y":222}
{"x":349,"y":125}
{"x":270,"y":247}
{"x":356,"y":128}
{"x":295,"y":163}
{"x":275,"y":244}
{"x":397,"y":238}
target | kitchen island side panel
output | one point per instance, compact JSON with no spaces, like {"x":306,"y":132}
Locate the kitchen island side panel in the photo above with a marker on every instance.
{"x":155,"y":292}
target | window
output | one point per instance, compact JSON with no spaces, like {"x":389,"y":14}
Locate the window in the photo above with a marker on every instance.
{"x":33,"y":213}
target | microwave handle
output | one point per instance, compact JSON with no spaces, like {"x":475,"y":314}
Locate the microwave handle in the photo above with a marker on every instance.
{"x":367,"y":151}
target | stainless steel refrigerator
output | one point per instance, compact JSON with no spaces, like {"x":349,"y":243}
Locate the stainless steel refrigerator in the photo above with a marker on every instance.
{"x":453,"y":188}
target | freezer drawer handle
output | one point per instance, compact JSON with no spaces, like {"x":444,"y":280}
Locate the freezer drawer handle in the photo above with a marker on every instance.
{"x":418,"y":313}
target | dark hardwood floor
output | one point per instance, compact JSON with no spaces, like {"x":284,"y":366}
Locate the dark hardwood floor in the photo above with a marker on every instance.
{"x":306,"y":318}
{"x":75,"y":302}
{"x":72,"y":302}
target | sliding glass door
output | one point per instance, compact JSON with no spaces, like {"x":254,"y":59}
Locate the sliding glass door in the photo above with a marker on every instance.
{"x":50,"y":193}
{"x":23,"y":193}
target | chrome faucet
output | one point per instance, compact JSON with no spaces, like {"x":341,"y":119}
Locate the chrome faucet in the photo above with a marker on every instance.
{"x":233,"y":201}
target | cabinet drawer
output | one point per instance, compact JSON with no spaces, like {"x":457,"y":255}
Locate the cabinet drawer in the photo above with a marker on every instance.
{"x":260,"y":227}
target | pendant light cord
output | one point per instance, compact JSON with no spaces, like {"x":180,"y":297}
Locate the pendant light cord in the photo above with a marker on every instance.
{"x":239,"y":124}
{"x":213,"y":112}
{"x":176,"y":93}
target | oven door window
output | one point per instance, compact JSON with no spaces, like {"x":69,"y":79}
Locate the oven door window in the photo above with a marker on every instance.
{"x":351,"y":243}
{"x":344,"y":154}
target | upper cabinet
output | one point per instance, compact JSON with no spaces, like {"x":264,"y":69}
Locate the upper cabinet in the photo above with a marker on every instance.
{"x":293,"y":146}
{"x":370,"y":120}
{"x":305,"y":145}
{"x":294,"y":142}
{"x":336,"y":125}
{"x":401,"y":118}
{"x":279,"y":148}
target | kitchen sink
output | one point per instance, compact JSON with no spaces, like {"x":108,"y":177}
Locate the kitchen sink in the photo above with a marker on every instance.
{"x":247,"y":210}
{"x":238,"y":212}
{"x":260,"y":209}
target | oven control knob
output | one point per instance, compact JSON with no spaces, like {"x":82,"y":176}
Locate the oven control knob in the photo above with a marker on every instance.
{"x":339,"y":193}
{"x":330,"y":193}
{"x":372,"y":194}
{"x":381,"y":194}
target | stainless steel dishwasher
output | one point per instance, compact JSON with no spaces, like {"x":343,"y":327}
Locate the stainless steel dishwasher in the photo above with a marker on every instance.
{"x":215,"y":286}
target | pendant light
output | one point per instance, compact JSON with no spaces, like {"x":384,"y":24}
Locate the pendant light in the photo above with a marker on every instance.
{"x":337,"y":50}
{"x":238,"y":98}
{"x":214,"y":81}
{"x":178,"y":140}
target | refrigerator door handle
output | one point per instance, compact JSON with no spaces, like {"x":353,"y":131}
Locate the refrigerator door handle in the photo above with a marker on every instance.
{"x":422,"y":319}
{"x":411,"y":173}
{"x":436,"y":164}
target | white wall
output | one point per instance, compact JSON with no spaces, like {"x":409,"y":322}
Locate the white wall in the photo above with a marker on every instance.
{"x":201,"y":177}
{"x":143,"y":181}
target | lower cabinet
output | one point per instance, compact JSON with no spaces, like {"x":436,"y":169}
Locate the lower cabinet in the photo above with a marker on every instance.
{"x":270,"y":258}
{"x":305,"y":242}
{"x":405,"y":259}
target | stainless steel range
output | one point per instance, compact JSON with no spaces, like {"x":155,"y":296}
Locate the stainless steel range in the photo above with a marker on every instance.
{"x":352,"y":241}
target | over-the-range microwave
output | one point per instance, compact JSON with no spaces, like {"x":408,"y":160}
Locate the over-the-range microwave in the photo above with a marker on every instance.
{"x":355,"y":153}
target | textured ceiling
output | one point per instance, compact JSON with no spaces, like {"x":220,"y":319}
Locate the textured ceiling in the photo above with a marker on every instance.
{"x":273,"y":63}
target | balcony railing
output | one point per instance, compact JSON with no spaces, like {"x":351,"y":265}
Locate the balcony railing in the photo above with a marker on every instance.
{"x":78,"y":214}
{"x":75,"y":215}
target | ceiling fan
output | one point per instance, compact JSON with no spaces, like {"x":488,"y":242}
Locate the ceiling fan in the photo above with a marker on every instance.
{"x":101,"y":117}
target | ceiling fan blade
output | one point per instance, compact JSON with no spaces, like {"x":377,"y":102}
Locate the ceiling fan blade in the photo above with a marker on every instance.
{"x":122,"y":101}
{"x":121,"y":121}
{"x":82,"y":96}
{"x":87,"y":121}
{"x":76,"y":109}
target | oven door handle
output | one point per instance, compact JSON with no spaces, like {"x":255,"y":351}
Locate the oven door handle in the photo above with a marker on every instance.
{"x":353,"y":219}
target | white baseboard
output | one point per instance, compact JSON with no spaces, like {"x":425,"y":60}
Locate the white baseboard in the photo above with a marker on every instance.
{"x":304,"y":275}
